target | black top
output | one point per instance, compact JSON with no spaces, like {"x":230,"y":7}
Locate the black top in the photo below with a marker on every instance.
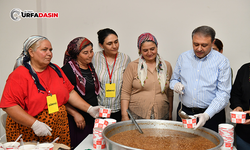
{"x":240,"y":96}
{"x":90,"y":96}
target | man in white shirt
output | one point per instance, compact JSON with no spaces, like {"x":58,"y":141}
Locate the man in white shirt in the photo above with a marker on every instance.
{"x":203,"y":76}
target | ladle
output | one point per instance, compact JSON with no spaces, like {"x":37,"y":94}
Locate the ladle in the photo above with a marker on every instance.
{"x":181,"y":113}
{"x":133,"y":120}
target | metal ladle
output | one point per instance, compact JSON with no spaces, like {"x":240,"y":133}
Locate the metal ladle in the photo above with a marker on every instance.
{"x":133,"y":120}
{"x":181,"y":113}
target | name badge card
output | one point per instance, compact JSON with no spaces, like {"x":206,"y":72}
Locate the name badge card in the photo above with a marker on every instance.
{"x":110,"y":90}
{"x":52,"y":103}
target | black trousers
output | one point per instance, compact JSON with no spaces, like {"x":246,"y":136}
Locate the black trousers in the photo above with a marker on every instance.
{"x":212,"y":123}
{"x":117,"y":116}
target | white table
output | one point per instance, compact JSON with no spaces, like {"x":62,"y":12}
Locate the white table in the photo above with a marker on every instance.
{"x":87,"y":143}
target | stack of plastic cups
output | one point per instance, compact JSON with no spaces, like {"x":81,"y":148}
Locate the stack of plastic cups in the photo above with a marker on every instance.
{"x":100,"y":124}
{"x":227,"y":133}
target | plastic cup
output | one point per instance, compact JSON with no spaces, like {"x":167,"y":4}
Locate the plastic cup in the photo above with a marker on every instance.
{"x":238,"y":117}
{"x":104,"y":112}
{"x":189,"y":123}
{"x":7,"y":145}
{"x":110,"y":121}
{"x":27,"y":147}
{"x":97,"y":134}
{"x":100,"y":123}
{"x":46,"y":146}
{"x":226,"y":148}
{"x":228,"y":145}
{"x":99,"y":143}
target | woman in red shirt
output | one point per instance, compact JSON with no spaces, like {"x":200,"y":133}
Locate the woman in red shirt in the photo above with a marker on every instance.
{"x":35,"y":94}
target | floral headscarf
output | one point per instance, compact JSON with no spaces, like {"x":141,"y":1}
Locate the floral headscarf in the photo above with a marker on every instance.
{"x":73,"y":50}
{"x":161,"y":66}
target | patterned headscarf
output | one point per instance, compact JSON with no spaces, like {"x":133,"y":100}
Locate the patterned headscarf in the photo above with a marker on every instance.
{"x":73,"y":50}
{"x":26,"y":45}
{"x":146,"y":37}
{"x":161,"y":66}
{"x":24,"y":58}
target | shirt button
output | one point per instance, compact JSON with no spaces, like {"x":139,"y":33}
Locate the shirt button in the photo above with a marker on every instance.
{"x":194,"y":98}
{"x":196,"y":79}
{"x":194,"y":89}
{"x":198,"y":70}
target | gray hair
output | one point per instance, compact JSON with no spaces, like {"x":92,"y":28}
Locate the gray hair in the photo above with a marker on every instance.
{"x":205,"y":31}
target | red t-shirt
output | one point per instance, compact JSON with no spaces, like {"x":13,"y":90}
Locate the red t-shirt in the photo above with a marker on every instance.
{"x":21,"y":90}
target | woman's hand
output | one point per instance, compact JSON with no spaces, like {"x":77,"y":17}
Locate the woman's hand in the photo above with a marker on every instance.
{"x":41,"y":129}
{"x":80,"y":121}
{"x":238,"y":109}
{"x":94,"y":111}
{"x":125,"y":118}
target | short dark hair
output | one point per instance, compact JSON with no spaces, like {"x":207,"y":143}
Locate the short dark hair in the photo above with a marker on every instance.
{"x":205,"y":31}
{"x":103,"y":33}
{"x":218,"y":44}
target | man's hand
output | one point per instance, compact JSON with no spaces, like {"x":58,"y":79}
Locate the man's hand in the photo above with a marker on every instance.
{"x":41,"y":129}
{"x":178,"y":88}
{"x":203,"y":118}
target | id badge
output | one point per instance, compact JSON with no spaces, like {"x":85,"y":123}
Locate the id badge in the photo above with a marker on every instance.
{"x":110,"y":90}
{"x":52,"y":103}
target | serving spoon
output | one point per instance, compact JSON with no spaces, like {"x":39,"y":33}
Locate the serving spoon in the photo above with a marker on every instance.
{"x":133,"y":120}
{"x":181,"y":113}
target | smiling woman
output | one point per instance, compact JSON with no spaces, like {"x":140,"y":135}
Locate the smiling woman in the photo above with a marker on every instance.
{"x":145,"y":89}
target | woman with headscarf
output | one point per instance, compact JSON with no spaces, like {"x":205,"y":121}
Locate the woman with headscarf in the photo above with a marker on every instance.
{"x":81,"y":73}
{"x":145,"y":89}
{"x":35,"y":94}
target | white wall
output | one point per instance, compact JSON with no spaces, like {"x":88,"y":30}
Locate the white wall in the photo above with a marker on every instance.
{"x":170,"y":21}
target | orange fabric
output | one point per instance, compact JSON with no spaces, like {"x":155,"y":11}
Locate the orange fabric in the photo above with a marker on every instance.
{"x":57,"y":121}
